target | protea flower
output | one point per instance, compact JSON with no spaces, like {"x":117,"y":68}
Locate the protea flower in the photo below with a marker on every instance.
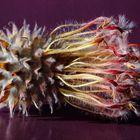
{"x":90,"y":66}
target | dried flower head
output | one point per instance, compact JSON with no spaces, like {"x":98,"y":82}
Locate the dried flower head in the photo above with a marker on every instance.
{"x":90,"y":66}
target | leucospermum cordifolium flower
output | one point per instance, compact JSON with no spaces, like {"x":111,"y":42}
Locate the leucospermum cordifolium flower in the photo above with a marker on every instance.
{"x":90,"y":66}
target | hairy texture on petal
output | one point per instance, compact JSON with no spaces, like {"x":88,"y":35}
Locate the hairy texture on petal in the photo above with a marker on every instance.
{"x":100,"y":73}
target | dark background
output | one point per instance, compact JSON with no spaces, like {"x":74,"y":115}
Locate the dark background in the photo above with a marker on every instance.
{"x":54,"y":12}
{"x":69,"y":126}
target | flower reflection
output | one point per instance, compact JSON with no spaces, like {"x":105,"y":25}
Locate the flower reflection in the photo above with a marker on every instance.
{"x":37,"y":128}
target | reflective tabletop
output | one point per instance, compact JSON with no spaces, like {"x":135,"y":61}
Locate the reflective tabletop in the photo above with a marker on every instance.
{"x":64,"y":127}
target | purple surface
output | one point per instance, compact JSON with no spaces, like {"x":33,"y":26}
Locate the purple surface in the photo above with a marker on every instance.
{"x":51,"y":13}
{"x":57,"y":128}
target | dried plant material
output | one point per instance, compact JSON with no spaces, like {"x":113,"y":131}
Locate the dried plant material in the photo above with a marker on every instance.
{"x":91,"y":66}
